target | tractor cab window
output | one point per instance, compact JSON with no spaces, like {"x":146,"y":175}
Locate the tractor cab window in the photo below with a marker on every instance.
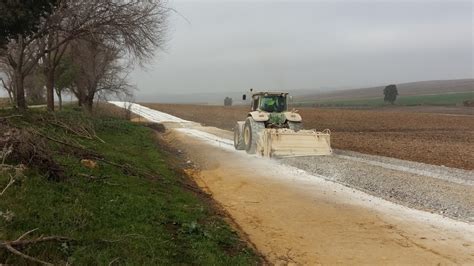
{"x":255,"y":103}
{"x":273,"y":103}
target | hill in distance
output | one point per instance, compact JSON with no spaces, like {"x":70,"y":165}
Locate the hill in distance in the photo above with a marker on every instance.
{"x":318,"y":94}
{"x":430,"y":87}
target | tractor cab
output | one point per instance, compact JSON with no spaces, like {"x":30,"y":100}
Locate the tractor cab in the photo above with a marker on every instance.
{"x":270,"y":102}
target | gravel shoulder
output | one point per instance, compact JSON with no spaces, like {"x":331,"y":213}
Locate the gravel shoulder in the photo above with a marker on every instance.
{"x":442,"y":190}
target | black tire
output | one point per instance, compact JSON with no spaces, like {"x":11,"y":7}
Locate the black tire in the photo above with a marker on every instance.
{"x":238,"y":138}
{"x":296,"y":126}
{"x":250,"y":134}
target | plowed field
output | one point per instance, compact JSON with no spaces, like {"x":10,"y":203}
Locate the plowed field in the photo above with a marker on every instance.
{"x":429,"y":138}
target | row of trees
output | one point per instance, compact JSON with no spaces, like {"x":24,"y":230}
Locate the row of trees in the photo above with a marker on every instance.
{"x":84,"y":47}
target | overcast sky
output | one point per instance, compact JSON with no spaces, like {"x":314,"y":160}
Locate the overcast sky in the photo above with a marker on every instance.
{"x":235,"y":45}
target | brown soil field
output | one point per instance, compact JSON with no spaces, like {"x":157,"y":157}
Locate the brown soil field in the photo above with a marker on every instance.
{"x":406,"y":89}
{"x":446,"y":110}
{"x":429,"y":138}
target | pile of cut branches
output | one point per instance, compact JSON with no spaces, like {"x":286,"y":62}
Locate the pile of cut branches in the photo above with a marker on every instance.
{"x":73,"y":125}
{"x":22,"y":147}
{"x":14,"y":172}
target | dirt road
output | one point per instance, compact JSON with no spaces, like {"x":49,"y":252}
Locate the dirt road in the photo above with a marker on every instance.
{"x":294,"y":217}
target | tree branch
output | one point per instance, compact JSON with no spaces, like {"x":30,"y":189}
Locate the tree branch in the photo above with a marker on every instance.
{"x":12,"y":180}
{"x":10,"y":245}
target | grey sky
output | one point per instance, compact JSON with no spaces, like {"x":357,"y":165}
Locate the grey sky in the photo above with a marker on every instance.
{"x":235,"y":45}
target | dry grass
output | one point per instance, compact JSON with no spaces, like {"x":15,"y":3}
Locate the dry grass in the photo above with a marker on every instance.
{"x":430,"y":138}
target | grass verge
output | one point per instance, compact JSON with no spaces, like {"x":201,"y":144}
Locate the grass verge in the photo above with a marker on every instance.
{"x":112,"y":215}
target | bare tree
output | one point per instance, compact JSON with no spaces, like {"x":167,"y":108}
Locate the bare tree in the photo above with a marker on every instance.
{"x":21,"y":59}
{"x":99,"y":71}
{"x":34,"y":87}
{"x":50,"y":61}
{"x":135,"y":25}
{"x":65,"y":72}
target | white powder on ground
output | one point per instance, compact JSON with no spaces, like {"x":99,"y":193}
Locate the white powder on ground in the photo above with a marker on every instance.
{"x":149,"y":114}
{"x":209,"y":138}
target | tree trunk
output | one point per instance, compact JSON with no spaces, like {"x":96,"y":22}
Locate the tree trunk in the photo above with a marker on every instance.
{"x":60,"y":99}
{"x":89,"y":104}
{"x":49,"y":74}
{"x":11,"y":97}
{"x":20,"y":91}
{"x":50,"y":88}
{"x":19,"y":77}
{"x":79,"y":95}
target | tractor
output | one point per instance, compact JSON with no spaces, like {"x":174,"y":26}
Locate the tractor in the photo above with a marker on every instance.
{"x":271,"y":130}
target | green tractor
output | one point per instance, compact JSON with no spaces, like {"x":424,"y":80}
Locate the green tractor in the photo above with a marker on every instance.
{"x":273,"y":131}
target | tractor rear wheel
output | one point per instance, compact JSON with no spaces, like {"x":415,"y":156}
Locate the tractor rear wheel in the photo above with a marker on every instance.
{"x":251,"y":132}
{"x":239,"y":136}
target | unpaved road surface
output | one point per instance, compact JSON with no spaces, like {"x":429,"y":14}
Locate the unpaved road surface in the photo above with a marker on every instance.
{"x":301,"y":217}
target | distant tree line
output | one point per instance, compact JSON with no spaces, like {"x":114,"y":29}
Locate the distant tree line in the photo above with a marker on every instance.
{"x":84,"y":47}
